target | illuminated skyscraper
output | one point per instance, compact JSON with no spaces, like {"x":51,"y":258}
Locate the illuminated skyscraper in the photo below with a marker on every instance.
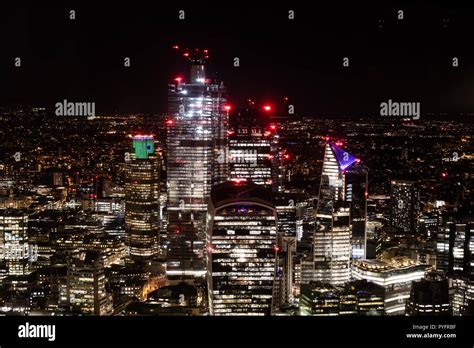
{"x":463,"y":297}
{"x":404,"y":205}
{"x":196,"y":159}
{"x":241,"y":248}
{"x":142,"y":199}
{"x":455,"y":244}
{"x":14,"y":248}
{"x":85,"y":289}
{"x":332,"y":237}
{"x":288,"y":221}
{"x":252,"y":147}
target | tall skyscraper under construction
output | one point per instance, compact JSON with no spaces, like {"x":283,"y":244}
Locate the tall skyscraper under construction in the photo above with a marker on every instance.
{"x":196,"y":159}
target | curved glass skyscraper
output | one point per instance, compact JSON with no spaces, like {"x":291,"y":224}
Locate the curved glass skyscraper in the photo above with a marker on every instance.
{"x":241,"y":249}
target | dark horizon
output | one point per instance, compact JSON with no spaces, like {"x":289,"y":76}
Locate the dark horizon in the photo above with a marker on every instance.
{"x":82,"y":59}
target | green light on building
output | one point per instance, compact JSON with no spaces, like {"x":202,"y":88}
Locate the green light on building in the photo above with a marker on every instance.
{"x":143,"y":146}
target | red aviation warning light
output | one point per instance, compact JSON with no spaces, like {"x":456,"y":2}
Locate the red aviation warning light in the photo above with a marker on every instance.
{"x":273,"y":127}
{"x":267,"y":108}
{"x":176,"y":47}
{"x":276,"y":248}
{"x":286,"y":156}
{"x":444,"y":174}
{"x":227,"y":107}
{"x":238,"y":181}
{"x":339,"y":143}
{"x":178,"y":79}
{"x":169,"y":122}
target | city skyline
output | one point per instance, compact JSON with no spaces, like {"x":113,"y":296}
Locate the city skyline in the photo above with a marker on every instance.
{"x":301,"y":167}
{"x":297,"y":58}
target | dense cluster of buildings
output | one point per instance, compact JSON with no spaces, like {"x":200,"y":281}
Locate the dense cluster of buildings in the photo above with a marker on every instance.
{"x":218,"y":210}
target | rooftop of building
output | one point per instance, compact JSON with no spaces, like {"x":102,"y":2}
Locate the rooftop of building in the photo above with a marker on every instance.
{"x":344,"y":159}
{"x":240,"y":190}
{"x":396,"y":263}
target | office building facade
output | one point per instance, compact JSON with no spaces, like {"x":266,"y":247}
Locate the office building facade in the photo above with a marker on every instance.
{"x":241,"y":249}
{"x":142,"y":190}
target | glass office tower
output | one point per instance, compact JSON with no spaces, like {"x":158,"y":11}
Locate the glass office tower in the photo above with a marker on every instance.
{"x":404,"y":205}
{"x":241,"y":249}
{"x":14,"y":249}
{"x":252,"y":147}
{"x":196,"y":160}
{"x":332,"y":236}
{"x":142,"y":199}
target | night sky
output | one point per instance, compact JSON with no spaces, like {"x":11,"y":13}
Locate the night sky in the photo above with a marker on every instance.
{"x":82,"y":59}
